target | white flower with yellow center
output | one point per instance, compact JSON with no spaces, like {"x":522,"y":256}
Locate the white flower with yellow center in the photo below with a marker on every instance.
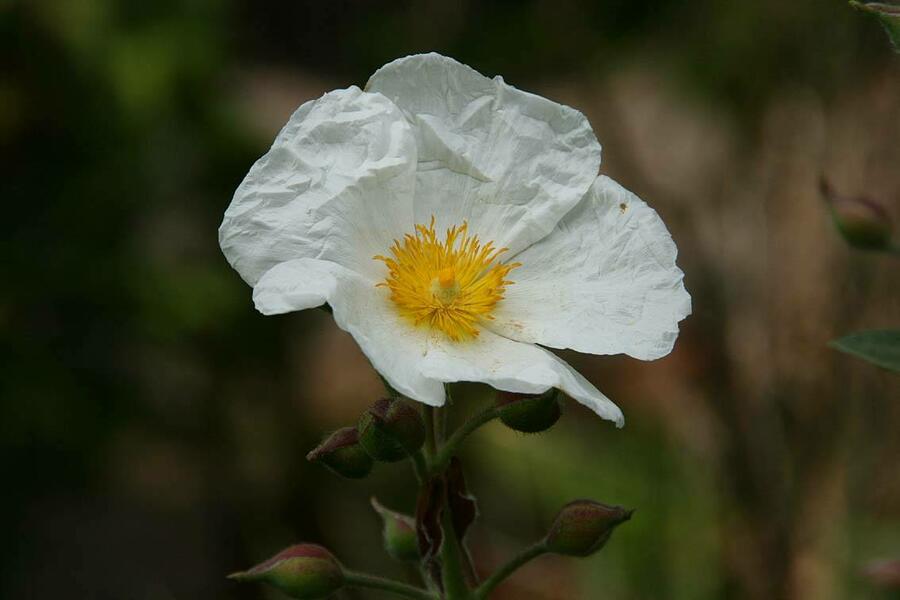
{"x":456,"y":225}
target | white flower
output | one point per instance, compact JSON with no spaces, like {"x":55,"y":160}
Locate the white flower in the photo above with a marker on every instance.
{"x":456,"y":225}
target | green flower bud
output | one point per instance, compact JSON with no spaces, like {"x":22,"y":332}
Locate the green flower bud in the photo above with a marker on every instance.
{"x":342,"y":453}
{"x":527,"y":413}
{"x":583,"y":527}
{"x":864,"y":223}
{"x":391,"y":430}
{"x":304,"y":571}
{"x":399,"y":532}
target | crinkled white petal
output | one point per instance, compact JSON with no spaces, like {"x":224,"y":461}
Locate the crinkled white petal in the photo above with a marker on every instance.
{"x":394,"y":347}
{"x":415,"y":361}
{"x":337,"y":185}
{"x":514,"y":367}
{"x":603,"y":282}
{"x":508,"y":162}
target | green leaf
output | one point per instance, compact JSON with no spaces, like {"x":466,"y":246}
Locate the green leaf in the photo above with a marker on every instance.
{"x":880,"y":347}
{"x":887,"y":14}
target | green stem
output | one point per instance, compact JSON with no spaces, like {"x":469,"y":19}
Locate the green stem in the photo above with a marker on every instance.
{"x":420,"y":467}
{"x":379,"y":583}
{"x":430,"y":442}
{"x":443,"y":416}
{"x":508,"y":569}
{"x":443,"y":457}
{"x":455,"y":587}
{"x":469,"y":572}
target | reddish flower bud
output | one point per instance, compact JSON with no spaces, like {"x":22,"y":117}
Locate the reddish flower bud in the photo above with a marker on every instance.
{"x":529,"y":413}
{"x":583,"y":527}
{"x":863,"y":222}
{"x":391,"y":430}
{"x":303,"y":571}
{"x":399,"y":533}
{"x":342,"y":453}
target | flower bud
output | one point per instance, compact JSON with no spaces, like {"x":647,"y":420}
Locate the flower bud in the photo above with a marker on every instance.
{"x":863,"y":222}
{"x":399,"y":533}
{"x":390,"y":430}
{"x":528,"y":413}
{"x":303,"y":571}
{"x":342,"y":453}
{"x":583,"y":527}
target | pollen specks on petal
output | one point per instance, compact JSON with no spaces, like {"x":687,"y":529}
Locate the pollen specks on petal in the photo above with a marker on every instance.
{"x":451,"y":285}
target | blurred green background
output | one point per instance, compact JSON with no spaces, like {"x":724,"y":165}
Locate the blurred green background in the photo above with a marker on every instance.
{"x":153,"y":426}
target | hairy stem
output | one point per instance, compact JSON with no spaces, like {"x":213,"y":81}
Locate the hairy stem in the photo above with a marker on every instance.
{"x":508,"y":569}
{"x":420,"y":466}
{"x":430,"y":442}
{"x":379,"y":583}
{"x":446,"y":453}
{"x":455,"y":586}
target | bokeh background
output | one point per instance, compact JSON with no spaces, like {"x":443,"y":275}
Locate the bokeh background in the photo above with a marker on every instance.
{"x":153,"y":426}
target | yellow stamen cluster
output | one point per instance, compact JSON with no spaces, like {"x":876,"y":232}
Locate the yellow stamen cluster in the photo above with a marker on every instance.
{"x":450,"y":286}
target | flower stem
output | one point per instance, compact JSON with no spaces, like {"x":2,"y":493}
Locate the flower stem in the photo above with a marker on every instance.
{"x":430,"y":442}
{"x":443,"y":416}
{"x":508,"y":569}
{"x":446,"y":453}
{"x":379,"y":583}
{"x":455,"y":586}
{"x":420,"y":466}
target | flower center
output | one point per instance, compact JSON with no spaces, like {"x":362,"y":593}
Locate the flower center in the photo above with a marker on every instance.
{"x":450,"y":285}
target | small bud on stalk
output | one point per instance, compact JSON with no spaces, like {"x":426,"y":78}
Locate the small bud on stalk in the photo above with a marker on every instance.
{"x":342,"y":453}
{"x":399,"y":533}
{"x":583,"y":527}
{"x":303,"y":571}
{"x":863,"y":222}
{"x":391,"y":430}
{"x":528,"y":413}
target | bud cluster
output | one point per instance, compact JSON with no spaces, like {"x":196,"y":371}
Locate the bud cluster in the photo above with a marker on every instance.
{"x":390,"y":430}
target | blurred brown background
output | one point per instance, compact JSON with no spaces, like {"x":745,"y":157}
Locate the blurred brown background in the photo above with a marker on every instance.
{"x":153,"y":426}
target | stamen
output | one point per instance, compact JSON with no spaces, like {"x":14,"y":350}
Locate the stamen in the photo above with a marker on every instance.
{"x":451,"y":286}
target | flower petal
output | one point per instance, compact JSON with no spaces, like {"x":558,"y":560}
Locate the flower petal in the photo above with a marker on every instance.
{"x":393,"y":347}
{"x":508,"y":162}
{"x":604,"y":282}
{"x":337,"y":185}
{"x":513,"y":367}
